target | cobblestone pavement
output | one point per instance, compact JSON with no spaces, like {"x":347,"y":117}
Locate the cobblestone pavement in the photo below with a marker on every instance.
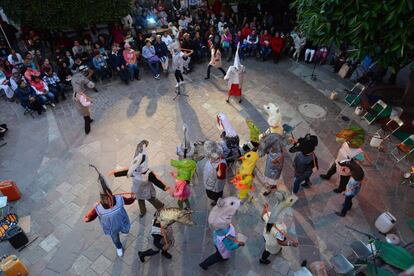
{"x":48,"y":156}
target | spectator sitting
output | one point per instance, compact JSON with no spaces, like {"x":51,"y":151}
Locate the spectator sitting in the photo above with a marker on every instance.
{"x":252,"y":41}
{"x":265,"y":47}
{"x":14,"y":79}
{"x":188,"y":44}
{"x":38,"y":59}
{"x":81,"y":67}
{"x":166,"y":38}
{"x":173,"y":29}
{"x":130,"y":39}
{"x":310,"y":51}
{"x":4,"y":84}
{"x":101,"y":50}
{"x":103,"y":42}
{"x":4,"y":50}
{"x":140,"y":41}
{"x":226,"y":39}
{"x":277,"y":46}
{"x":77,"y":49}
{"x":42,"y":91}
{"x":54,"y":84}
{"x":15,"y":59}
{"x":65,"y":74}
{"x":87,"y":46}
{"x":183,"y":23}
{"x":69,"y":60}
{"x":30,"y":72}
{"x":246,"y":31}
{"x":117,"y":62}
{"x":148,"y":52}
{"x":29,"y":61}
{"x":198,"y":46}
{"x":100,"y":65}
{"x":130,"y":57}
{"x":321,"y":55}
{"x":299,"y":43}
{"x":28,"y":98}
{"x":162,"y":52}
{"x":8,"y":68}
{"x":46,"y":65}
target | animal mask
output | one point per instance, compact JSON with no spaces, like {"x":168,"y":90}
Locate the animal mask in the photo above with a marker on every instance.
{"x":140,"y":160}
{"x":185,"y":168}
{"x":248,"y":163}
{"x":274,"y":117}
{"x":167,"y":216}
{"x":186,"y":150}
{"x":270,"y":143}
{"x":354,"y":136}
{"x":284,"y":200}
{"x":349,"y":166}
{"x":254,"y":131}
{"x":221,"y":214}
{"x":212,"y":150}
{"x":305,"y":144}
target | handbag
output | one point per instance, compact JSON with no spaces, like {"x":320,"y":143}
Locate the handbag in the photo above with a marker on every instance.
{"x":154,"y":59}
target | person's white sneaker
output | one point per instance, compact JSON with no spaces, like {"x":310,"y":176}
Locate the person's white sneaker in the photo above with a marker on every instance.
{"x":44,"y":107}
{"x":182,"y":82}
{"x":178,"y":84}
{"x":52,"y":104}
{"x":120,"y":252}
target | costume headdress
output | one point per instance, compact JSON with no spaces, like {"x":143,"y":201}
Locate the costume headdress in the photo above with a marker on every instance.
{"x":224,"y":125}
{"x":104,"y":189}
{"x":140,"y":160}
{"x":354,"y":136}
{"x":237,"y":63}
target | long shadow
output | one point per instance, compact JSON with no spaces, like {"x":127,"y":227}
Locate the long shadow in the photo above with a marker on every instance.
{"x":133,"y":107}
{"x":254,"y":114}
{"x":188,"y":116}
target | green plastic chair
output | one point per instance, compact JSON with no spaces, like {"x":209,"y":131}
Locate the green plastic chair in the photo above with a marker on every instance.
{"x":394,"y":255}
{"x":378,"y":110}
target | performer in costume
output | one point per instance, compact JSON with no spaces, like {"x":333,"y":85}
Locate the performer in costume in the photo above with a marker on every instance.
{"x":178,"y":60}
{"x":274,"y":235}
{"x":111,"y":213}
{"x":224,"y":234}
{"x":143,"y":179}
{"x":352,"y":139}
{"x":82,"y":103}
{"x":230,"y":139}
{"x":305,"y":161}
{"x":350,"y":167}
{"x":162,"y":232}
{"x":214,"y":174}
{"x":234,"y":78}
{"x":243,"y":180}
{"x":183,"y":176}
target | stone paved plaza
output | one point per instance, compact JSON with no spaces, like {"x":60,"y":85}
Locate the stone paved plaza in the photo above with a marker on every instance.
{"x":48,"y":157}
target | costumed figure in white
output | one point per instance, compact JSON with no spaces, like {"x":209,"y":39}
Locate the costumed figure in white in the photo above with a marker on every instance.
{"x":234,"y":77}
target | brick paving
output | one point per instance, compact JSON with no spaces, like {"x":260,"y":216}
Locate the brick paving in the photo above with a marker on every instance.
{"x":48,"y":156}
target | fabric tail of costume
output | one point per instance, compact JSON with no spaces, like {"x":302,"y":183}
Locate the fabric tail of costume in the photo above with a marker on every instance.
{"x":103,"y":187}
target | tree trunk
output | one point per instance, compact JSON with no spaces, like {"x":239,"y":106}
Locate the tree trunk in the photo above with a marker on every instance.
{"x":408,"y":97}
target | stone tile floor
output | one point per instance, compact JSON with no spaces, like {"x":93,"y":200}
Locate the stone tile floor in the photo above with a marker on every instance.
{"x":48,"y":157}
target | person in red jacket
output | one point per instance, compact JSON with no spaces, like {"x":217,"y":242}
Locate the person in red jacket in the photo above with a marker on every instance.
{"x":277,"y":46}
{"x":264,"y":44}
{"x":246,"y":31}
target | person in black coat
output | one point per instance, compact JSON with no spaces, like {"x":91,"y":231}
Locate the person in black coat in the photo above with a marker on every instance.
{"x":161,"y":50}
{"x":28,"y":97}
{"x":117,"y":63}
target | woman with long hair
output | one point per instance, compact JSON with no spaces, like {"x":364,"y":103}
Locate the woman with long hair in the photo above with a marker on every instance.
{"x":215,"y":60}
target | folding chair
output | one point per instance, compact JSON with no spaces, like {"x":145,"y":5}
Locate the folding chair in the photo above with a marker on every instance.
{"x":403,"y":149}
{"x":377,"y":109}
{"x":341,"y":265}
{"x":389,"y":128}
{"x":353,"y":97}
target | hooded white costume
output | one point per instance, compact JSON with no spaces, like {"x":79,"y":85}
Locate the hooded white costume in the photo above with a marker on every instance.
{"x":230,"y":139}
{"x":234,"y":76}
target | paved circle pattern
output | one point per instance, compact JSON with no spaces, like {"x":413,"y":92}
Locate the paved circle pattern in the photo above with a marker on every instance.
{"x":312,"y":111}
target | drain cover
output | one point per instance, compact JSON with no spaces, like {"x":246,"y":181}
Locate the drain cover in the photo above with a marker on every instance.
{"x":312,"y":111}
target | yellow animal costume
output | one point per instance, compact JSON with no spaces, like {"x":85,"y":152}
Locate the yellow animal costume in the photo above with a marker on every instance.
{"x":243,"y":180}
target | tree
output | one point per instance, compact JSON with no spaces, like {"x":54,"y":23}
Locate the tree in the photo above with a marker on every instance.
{"x":382,"y":29}
{"x":65,"y":14}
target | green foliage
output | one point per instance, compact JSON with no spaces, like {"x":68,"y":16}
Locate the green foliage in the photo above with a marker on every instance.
{"x":383,"y":29}
{"x":63,"y":14}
